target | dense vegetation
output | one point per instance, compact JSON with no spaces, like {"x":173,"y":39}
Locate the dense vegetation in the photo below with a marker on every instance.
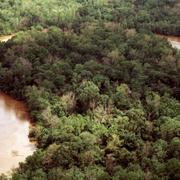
{"x":160,"y":16}
{"x":102,"y":89}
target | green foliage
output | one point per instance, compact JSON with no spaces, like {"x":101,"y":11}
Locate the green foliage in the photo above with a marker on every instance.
{"x":172,"y":167}
{"x":121,"y":97}
{"x":170,"y":128}
{"x":102,"y":89}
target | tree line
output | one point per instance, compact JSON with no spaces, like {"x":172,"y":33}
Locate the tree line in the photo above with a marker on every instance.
{"x":104,"y":93}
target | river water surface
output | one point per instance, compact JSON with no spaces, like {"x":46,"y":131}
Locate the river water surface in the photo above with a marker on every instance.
{"x":6,"y":38}
{"x":174,"y":40}
{"x":14,"y":129}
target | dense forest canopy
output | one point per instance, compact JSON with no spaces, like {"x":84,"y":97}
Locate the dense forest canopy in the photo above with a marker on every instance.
{"x":102,"y":89}
{"x":160,"y":16}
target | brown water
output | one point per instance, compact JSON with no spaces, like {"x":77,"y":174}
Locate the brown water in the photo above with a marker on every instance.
{"x":6,"y":38}
{"x":174,"y":40}
{"x":14,"y":129}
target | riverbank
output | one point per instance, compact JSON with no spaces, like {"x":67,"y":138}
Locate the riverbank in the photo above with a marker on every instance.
{"x":174,"y":40}
{"x":6,"y":38}
{"x":15,"y":145}
{"x":92,"y":100}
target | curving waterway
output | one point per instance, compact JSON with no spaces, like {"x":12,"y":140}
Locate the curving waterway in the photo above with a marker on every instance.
{"x":14,"y":129}
{"x":6,"y":38}
{"x":174,"y":40}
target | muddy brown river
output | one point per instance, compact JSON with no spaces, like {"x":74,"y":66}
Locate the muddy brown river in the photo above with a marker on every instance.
{"x":6,"y":38}
{"x":14,"y":129}
{"x":174,"y":40}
